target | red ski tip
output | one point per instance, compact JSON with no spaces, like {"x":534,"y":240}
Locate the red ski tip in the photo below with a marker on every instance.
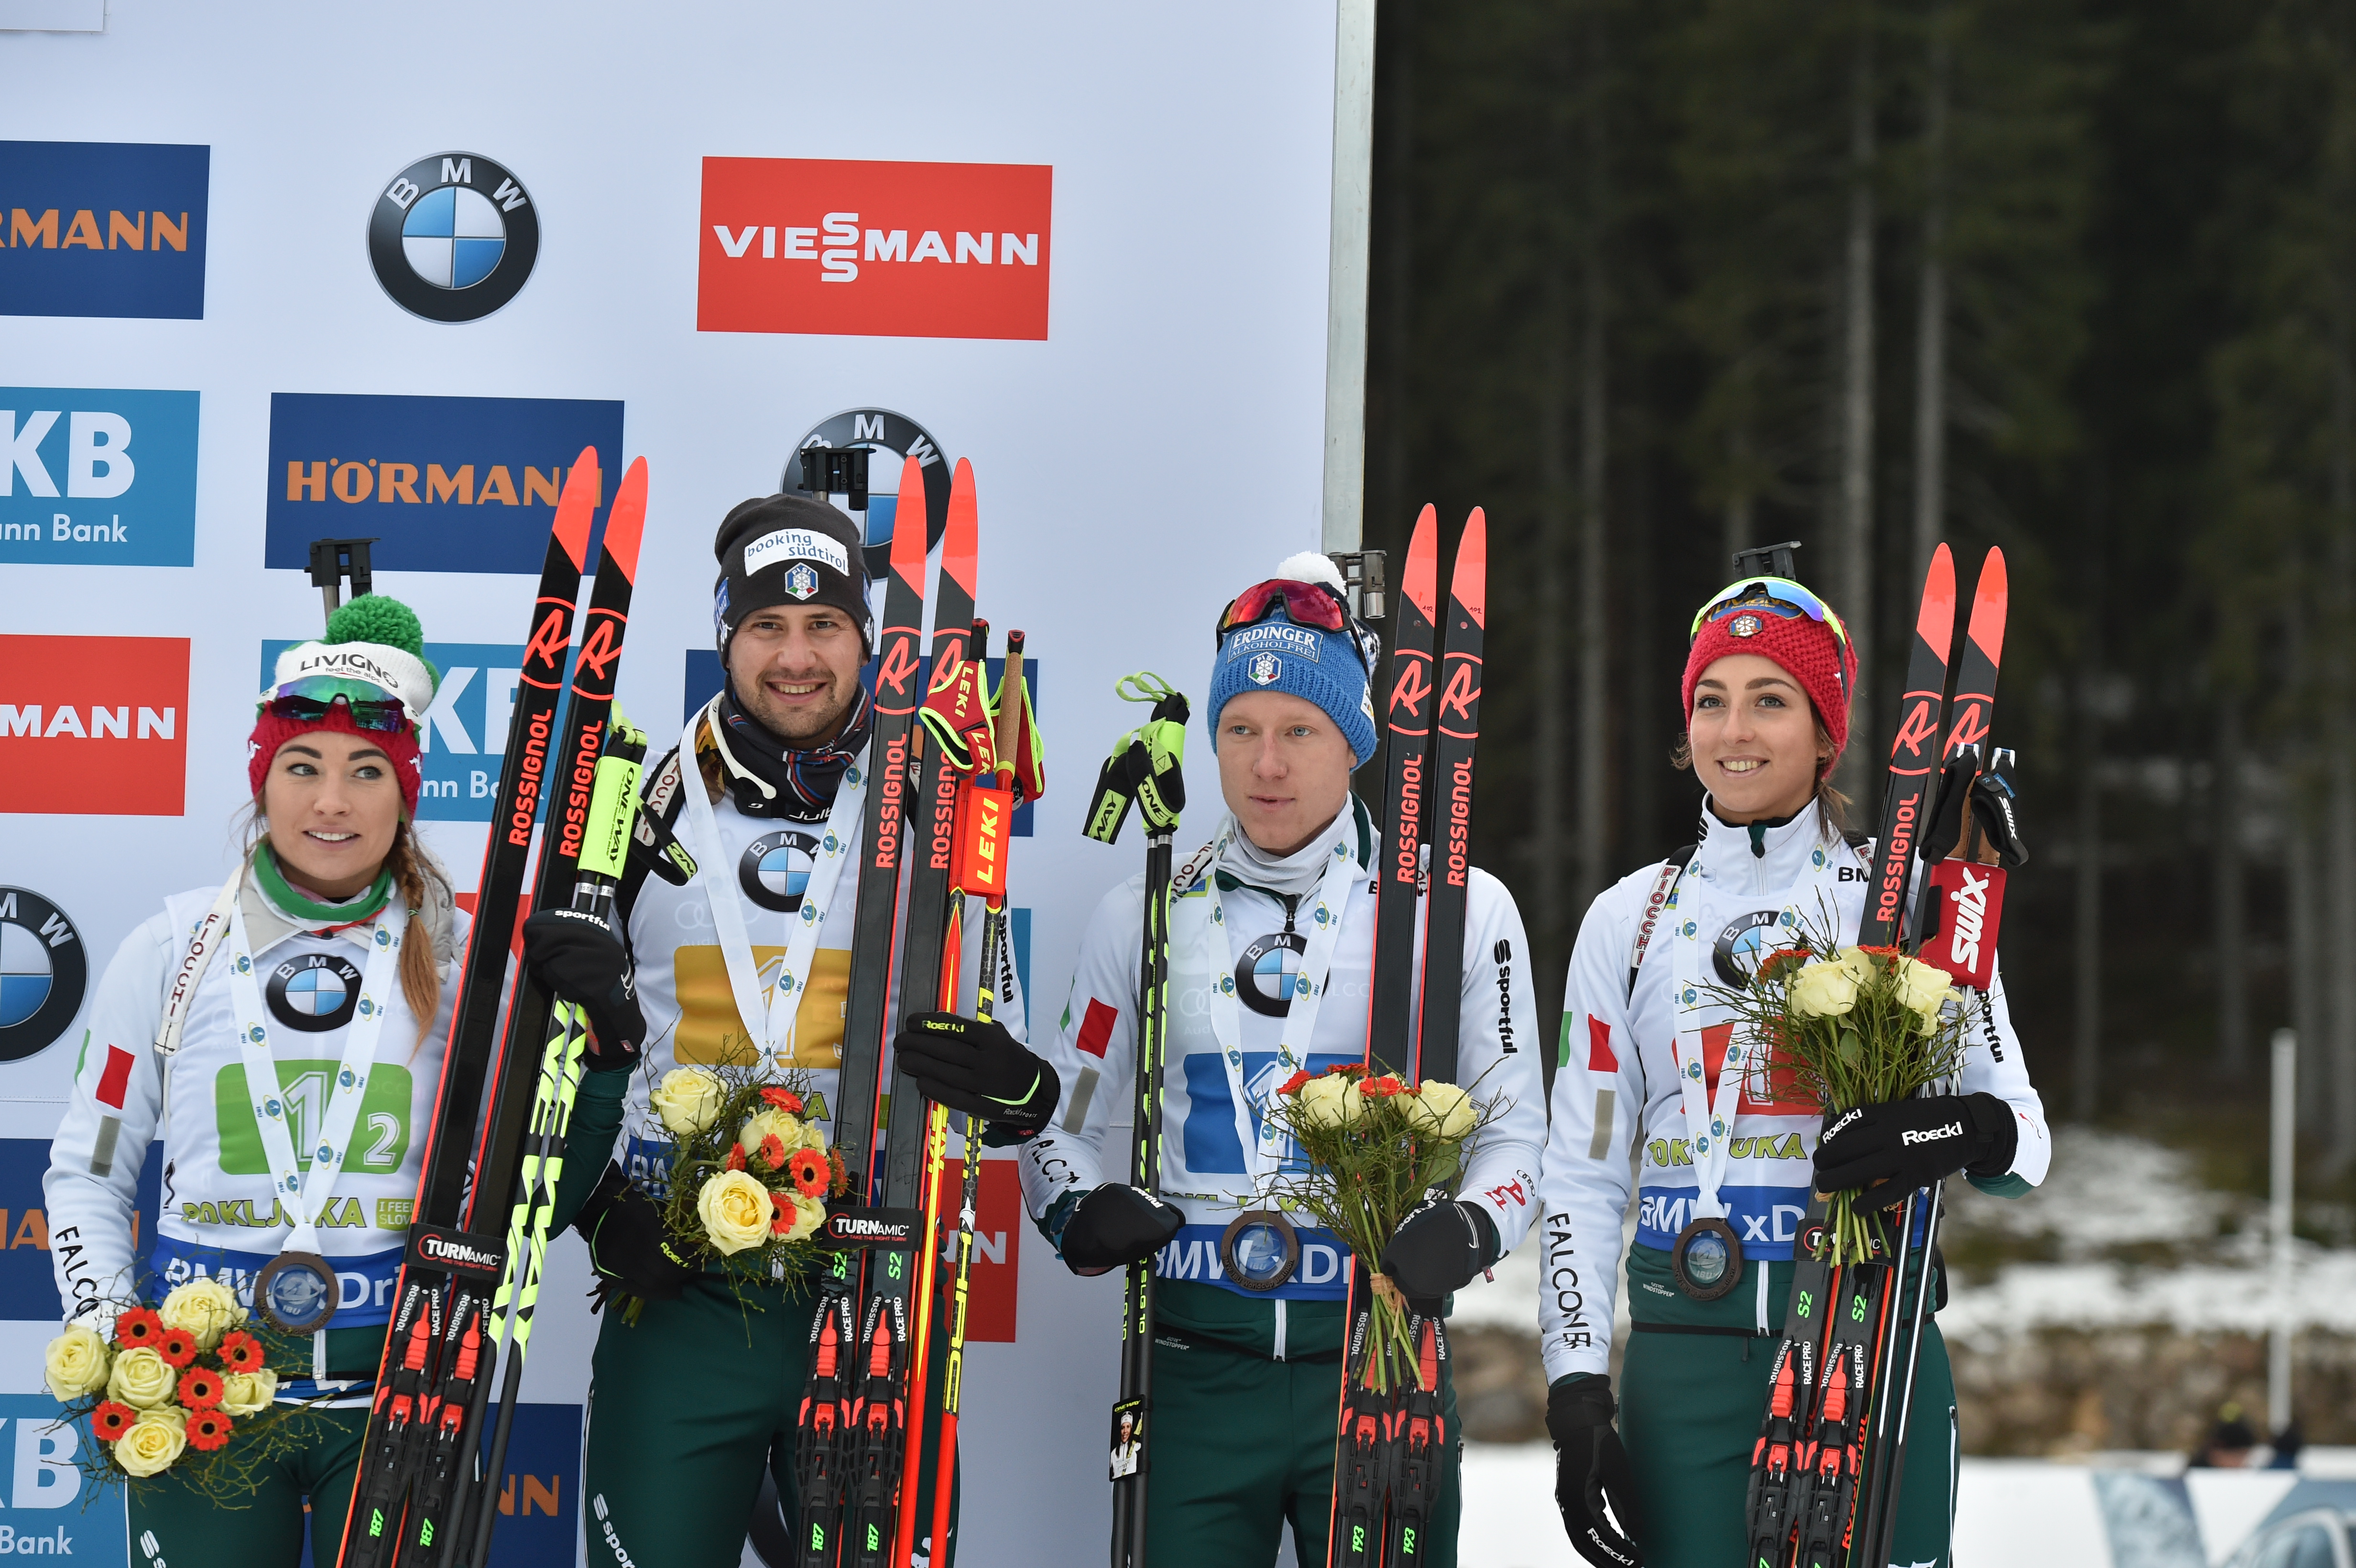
{"x":577,"y":507}
{"x":960,"y":542}
{"x":1936,"y":622}
{"x":1990,"y":598}
{"x":1469,"y":586}
{"x":625,"y":525}
{"x":1419,"y":581}
{"x":907,"y":543}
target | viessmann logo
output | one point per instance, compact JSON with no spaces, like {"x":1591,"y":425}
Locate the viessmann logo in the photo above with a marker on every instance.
{"x":875,"y":249}
{"x":443,"y":484}
{"x":92,"y":725}
{"x":103,"y":229}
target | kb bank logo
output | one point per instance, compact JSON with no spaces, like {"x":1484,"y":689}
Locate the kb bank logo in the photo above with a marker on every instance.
{"x":462,"y":736}
{"x":875,"y":249}
{"x":98,"y":478}
{"x":444,"y":484}
{"x":103,"y":229}
{"x":91,"y":725}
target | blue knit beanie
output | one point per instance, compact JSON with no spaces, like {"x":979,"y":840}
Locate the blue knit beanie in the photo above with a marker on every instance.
{"x":1327,"y":668}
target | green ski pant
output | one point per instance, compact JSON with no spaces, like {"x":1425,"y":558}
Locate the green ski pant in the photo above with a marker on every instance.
{"x":172,"y":1523}
{"x":686,"y":1407}
{"x":1241,"y":1443}
{"x":1689,"y":1411}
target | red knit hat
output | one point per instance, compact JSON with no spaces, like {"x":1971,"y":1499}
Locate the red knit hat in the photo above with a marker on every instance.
{"x":271,"y":731}
{"x":1808,"y":650}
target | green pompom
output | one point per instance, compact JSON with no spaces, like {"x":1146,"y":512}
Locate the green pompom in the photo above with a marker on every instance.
{"x":374,"y":618}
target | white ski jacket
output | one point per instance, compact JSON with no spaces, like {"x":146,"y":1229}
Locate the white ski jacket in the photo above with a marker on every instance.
{"x":1616,"y":1088}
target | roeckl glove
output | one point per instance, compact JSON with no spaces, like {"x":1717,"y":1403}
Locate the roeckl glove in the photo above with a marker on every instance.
{"x":1594,"y":1485}
{"x":1437,"y":1248}
{"x":1113,"y":1226}
{"x":974,"y":1066}
{"x":629,"y":1243}
{"x":1890,"y":1150}
{"x":581,"y":962}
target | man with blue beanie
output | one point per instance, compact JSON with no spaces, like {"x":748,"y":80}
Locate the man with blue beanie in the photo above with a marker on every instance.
{"x":1272,"y":944}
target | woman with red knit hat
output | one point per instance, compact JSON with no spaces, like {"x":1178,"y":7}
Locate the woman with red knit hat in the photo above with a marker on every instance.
{"x":1723,"y":1178}
{"x":283,"y":1035}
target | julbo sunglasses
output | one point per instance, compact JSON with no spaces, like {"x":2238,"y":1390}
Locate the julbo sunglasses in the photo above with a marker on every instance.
{"x":311,"y":698}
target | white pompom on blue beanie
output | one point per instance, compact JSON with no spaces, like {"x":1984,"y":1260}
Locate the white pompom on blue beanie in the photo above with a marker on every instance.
{"x":1327,"y":668}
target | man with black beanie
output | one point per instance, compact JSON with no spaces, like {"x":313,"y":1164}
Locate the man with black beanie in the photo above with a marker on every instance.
{"x":747,"y":963}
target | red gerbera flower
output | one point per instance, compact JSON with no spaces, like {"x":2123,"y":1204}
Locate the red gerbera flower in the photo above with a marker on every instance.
{"x":202,"y":1388}
{"x":1776,"y":962}
{"x":1347,"y":1070}
{"x":1382,"y":1088}
{"x":1883,"y":953}
{"x":1292,"y":1084}
{"x":177,"y":1347}
{"x":784,"y":1100}
{"x":735,"y":1160}
{"x":111,"y":1420}
{"x":781,"y":1214}
{"x":773,"y":1152}
{"x":210,"y":1429}
{"x":241,"y":1351}
{"x":842,"y":1183}
{"x":810,"y":1172}
{"x":138,"y":1325}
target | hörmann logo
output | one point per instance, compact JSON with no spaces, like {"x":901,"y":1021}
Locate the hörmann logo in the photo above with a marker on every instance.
{"x":97,"y":477}
{"x":103,"y":229}
{"x":91,"y":725}
{"x":443,"y":484}
{"x":903,"y":249}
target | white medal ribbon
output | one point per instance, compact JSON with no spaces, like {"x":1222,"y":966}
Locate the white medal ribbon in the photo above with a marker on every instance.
{"x":1265,"y":1152}
{"x":305,"y":1195}
{"x":770,"y":1023}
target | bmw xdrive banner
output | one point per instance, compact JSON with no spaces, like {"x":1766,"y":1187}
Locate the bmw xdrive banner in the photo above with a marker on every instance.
{"x":381,"y":275}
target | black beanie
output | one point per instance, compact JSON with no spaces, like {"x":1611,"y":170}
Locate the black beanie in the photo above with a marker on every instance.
{"x":788,"y":550}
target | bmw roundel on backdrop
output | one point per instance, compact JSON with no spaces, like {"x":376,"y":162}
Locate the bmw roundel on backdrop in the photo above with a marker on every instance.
{"x":43,"y":973}
{"x":893,"y":438}
{"x":452,"y":237}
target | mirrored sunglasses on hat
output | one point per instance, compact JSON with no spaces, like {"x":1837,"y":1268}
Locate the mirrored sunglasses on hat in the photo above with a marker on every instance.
{"x":1304,"y":603}
{"x":311,"y":698}
{"x":1778,"y":597}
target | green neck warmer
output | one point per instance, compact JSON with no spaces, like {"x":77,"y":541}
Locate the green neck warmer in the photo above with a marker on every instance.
{"x":294,"y":905}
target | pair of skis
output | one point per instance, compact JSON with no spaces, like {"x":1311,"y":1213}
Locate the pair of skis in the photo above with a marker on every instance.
{"x":419,"y":1498}
{"x":1830,"y":1455}
{"x":1388,"y":1448}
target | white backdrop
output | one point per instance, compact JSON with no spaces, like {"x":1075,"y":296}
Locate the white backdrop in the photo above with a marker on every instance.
{"x":1158,"y":447}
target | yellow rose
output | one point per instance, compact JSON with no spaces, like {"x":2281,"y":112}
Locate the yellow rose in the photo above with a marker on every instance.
{"x":790,"y":1129}
{"x":734,"y":1208}
{"x":205,"y":1308}
{"x":1441,"y":1109}
{"x":687,"y":1099}
{"x":1922,"y":988}
{"x":1330,"y":1099}
{"x":249,"y":1393}
{"x":154,"y":1440}
{"x":142,"y":1380}
{"x":810,"y":1213}
{"x":75,"y":1364}
{"x":1824,"y":990}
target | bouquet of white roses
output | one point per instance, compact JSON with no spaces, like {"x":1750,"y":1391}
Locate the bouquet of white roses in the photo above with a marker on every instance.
{"x":170,"y":1379}
{"x":749,"y":1173}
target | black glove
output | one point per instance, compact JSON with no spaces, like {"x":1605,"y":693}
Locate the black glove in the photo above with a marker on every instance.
{"x":1890,"y":1150}
{"x":974,"y":1066}
{"x":1114,"y":1226}
{"x":1592,"y":1473}
{"x":1437,"y":1248}
{"x":581,"y":962}
{"x":629,"y":1245}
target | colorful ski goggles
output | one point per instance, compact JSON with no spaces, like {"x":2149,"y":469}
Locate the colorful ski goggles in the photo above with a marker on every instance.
{"x":310,"y":698}
{"x":1778,"y":597}
{"x":1305,"y":603}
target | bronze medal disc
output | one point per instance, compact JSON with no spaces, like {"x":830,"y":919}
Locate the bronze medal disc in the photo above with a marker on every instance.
{"x":1707,"y":1260}
{"x":295,"y":1293}
{"x":1260,"y":1250}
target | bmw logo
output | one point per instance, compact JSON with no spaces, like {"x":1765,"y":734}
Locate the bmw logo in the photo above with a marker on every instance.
{"x":43,"y":973}
{"x":776,"y":868}
{"x":892,"y":437}
{"x":1743,"y":943}
{"x":313,"y":992}
{"x":1267,"y":973}
{"x":452,"y":237}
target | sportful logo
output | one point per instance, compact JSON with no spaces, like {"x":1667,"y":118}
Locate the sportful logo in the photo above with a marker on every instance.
{"x":444,"y":484}
{"x":98,"y":478}
{"x":875,"y":249}
{"x":103,"y":229}
{"x":91,"y":725}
